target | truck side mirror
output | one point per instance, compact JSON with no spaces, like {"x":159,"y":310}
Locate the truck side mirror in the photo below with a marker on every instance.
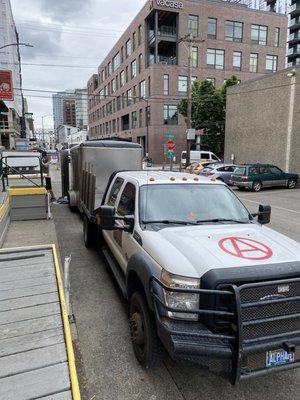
{"x":264,"y":214}
{"x":106,"y":217}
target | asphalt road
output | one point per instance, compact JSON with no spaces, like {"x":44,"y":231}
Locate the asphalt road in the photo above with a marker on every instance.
{"x":107,"y":366}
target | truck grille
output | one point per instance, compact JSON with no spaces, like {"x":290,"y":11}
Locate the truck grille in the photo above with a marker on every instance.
{"x":270,"y":309}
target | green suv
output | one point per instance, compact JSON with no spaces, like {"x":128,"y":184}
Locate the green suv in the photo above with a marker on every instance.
{"x":258,"y":176}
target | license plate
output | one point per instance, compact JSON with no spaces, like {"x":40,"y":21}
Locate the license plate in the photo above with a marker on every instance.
{"x":279,"y":357}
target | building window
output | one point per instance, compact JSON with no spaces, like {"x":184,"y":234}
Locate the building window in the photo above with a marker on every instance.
{"x":134,"y":120}
{"x":166,"y":85}
{"x":194,"y":56}
{"x":259,"y":34}
{"x":116,"y":61}
{"x":182,"y":85}
{"x":277,"y":37}
{"x":215,"y":58}
{"x":113,"y":86}
{"x":139,"y":35}
{"x":170,"y":115}
{"x":140,"y":63}
{"x":134,"y":94}
{"x":122,"y":54}
{"x":234,"y":31}
{"x":140,"y":118}
{"x":109,"y":68}
{"x":148,"y":115}
{"x":129,"y":97}
{"x":133,"y":69}
{"x":122,"y":78}
{"x":126,"y":74}
{"x":237,"y":60}
{"x":142,"y":89}
{"x":271,"y":63}
{"x":133,"y":41}
{"x":212,"y":28}
{"x":253,"y":62}
{"x":128,"y":48}
{"x":193,"y":25}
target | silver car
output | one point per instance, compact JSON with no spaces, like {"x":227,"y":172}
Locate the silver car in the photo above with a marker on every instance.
{"x":221,"y":172}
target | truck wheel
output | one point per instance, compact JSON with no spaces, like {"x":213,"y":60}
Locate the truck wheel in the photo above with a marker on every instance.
{"x":90,"y":233}
{"x":291,"y":183}
{"x":256,"y":186}
{"x":146,"y":344}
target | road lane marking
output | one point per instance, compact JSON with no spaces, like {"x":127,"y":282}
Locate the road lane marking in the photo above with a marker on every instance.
{"x":279,"y":208}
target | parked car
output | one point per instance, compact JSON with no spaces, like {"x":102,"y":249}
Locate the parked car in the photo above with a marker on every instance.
{"x":258,"y":176}
{"x":220,"y":172}
{"x":197,"y":167}
{"x":197,"y":156}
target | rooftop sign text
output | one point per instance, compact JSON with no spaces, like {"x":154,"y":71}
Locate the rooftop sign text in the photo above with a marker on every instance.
{"x":170,"y":3}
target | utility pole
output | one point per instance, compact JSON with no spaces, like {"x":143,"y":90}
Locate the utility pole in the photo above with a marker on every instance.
{"x":190,"y":40}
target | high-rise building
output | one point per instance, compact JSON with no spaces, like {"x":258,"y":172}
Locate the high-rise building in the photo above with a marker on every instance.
{"x":135,"y":93}
{"x":10,"y":111}
{"x":294,"y":34}
{"x":70,"y":108}
{"x":58,"y":106}
{"x":69,"y":112}
{"x":81,"y":108}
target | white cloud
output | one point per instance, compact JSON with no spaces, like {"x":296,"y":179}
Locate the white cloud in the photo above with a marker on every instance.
{"x":69,"y":32}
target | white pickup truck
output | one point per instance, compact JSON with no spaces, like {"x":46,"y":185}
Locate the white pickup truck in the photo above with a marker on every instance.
{"x":205,"y":279}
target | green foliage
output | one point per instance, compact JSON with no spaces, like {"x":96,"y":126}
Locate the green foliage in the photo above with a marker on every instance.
{"x":209,"y":112}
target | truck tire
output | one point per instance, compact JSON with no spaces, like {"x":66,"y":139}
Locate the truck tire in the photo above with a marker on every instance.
{"x":146,"y":344}
{"x":90,"y":233}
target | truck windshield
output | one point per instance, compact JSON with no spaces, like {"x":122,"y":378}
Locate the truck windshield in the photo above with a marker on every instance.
{"x":190,"y":203}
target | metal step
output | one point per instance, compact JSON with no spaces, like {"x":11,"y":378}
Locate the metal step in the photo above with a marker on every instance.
{"x":114,"y":266}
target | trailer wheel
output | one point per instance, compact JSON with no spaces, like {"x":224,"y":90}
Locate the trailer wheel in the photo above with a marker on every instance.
{"x":147,"y":346}
{"x":90,"y":233}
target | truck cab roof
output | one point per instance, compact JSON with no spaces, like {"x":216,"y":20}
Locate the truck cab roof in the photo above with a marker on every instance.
{"x":165,"y":177}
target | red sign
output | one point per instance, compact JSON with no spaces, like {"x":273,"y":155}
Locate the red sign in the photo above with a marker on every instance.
{"x":248,"y":249}
{"x":171,"y":145}
{"x":6,"y":86}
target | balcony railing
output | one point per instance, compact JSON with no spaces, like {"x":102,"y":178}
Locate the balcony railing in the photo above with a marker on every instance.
{"x":294,"y":23}
{"x":295,"y":9}
{"x":294,"y":37}
{"x":294,"y":50}
{"x":165,"y":30}
{"x":167,"y":60}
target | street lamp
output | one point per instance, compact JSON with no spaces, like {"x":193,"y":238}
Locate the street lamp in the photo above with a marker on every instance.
{"x":17,"y":44}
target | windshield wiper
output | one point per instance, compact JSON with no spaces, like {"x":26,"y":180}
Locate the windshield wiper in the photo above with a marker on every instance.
{"x":170,"y":221}
{"x":237,"y":221}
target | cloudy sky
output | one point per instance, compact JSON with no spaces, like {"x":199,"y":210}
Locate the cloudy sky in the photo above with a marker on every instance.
{"x":74,"y":33}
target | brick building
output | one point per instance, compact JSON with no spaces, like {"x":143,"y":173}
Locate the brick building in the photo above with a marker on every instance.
{"x":142,"y":79}
{"x":69,"y":112}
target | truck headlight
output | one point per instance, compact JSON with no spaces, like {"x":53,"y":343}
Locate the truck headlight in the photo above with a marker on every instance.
{"x":183,"y":301}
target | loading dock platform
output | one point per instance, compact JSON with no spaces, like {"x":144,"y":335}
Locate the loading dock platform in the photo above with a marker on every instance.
{"x":36,"y":352}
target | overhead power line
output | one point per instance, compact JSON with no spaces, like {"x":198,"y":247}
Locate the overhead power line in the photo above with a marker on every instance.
{"x":52,"y":25}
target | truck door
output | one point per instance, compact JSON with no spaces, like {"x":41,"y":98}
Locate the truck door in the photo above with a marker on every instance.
{"x":126,"y":206}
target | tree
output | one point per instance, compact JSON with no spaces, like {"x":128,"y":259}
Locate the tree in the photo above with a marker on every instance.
{"x":209,"y":112}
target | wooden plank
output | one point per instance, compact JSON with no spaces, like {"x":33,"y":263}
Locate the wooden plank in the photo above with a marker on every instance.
{"x":31,"y":326}
{"x":21,"y":254}
{"x":14,"y":274}
{"x":32,"y":341}
{"x":26,"y":292}
{"x":23,"y":302}
{"x":59,"y":396}
{"x":30,"y":360}
{"x":35,"y":384}
{"x":25,"y":263}
{"x":29,"y":313}
{"x":30,"y":282}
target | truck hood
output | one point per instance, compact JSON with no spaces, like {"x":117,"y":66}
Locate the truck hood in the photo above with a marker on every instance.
{"x":192,"y":251}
